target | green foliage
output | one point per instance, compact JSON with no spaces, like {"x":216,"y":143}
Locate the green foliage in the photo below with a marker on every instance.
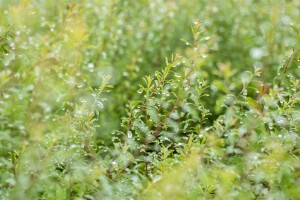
{"x":90,"y":109}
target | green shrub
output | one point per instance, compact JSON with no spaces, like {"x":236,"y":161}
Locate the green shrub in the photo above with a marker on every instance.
{"x":219,"y":121}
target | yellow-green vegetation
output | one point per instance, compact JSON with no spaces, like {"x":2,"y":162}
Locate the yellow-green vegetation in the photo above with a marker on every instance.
{"x":149,"y":99}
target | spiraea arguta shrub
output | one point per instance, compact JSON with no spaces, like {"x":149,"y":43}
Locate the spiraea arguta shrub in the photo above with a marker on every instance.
{"x":249,"y":152}
{"x":89,"y":108}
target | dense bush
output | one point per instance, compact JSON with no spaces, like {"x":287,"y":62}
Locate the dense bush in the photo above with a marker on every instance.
{"x":123,"y":100}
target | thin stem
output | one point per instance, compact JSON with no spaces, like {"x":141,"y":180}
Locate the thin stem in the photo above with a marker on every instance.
{"x":285,"y":68}
{"x":6,"y":33}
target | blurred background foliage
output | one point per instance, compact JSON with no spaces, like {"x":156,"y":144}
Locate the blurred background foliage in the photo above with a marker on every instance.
{"x":79,"y":120}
